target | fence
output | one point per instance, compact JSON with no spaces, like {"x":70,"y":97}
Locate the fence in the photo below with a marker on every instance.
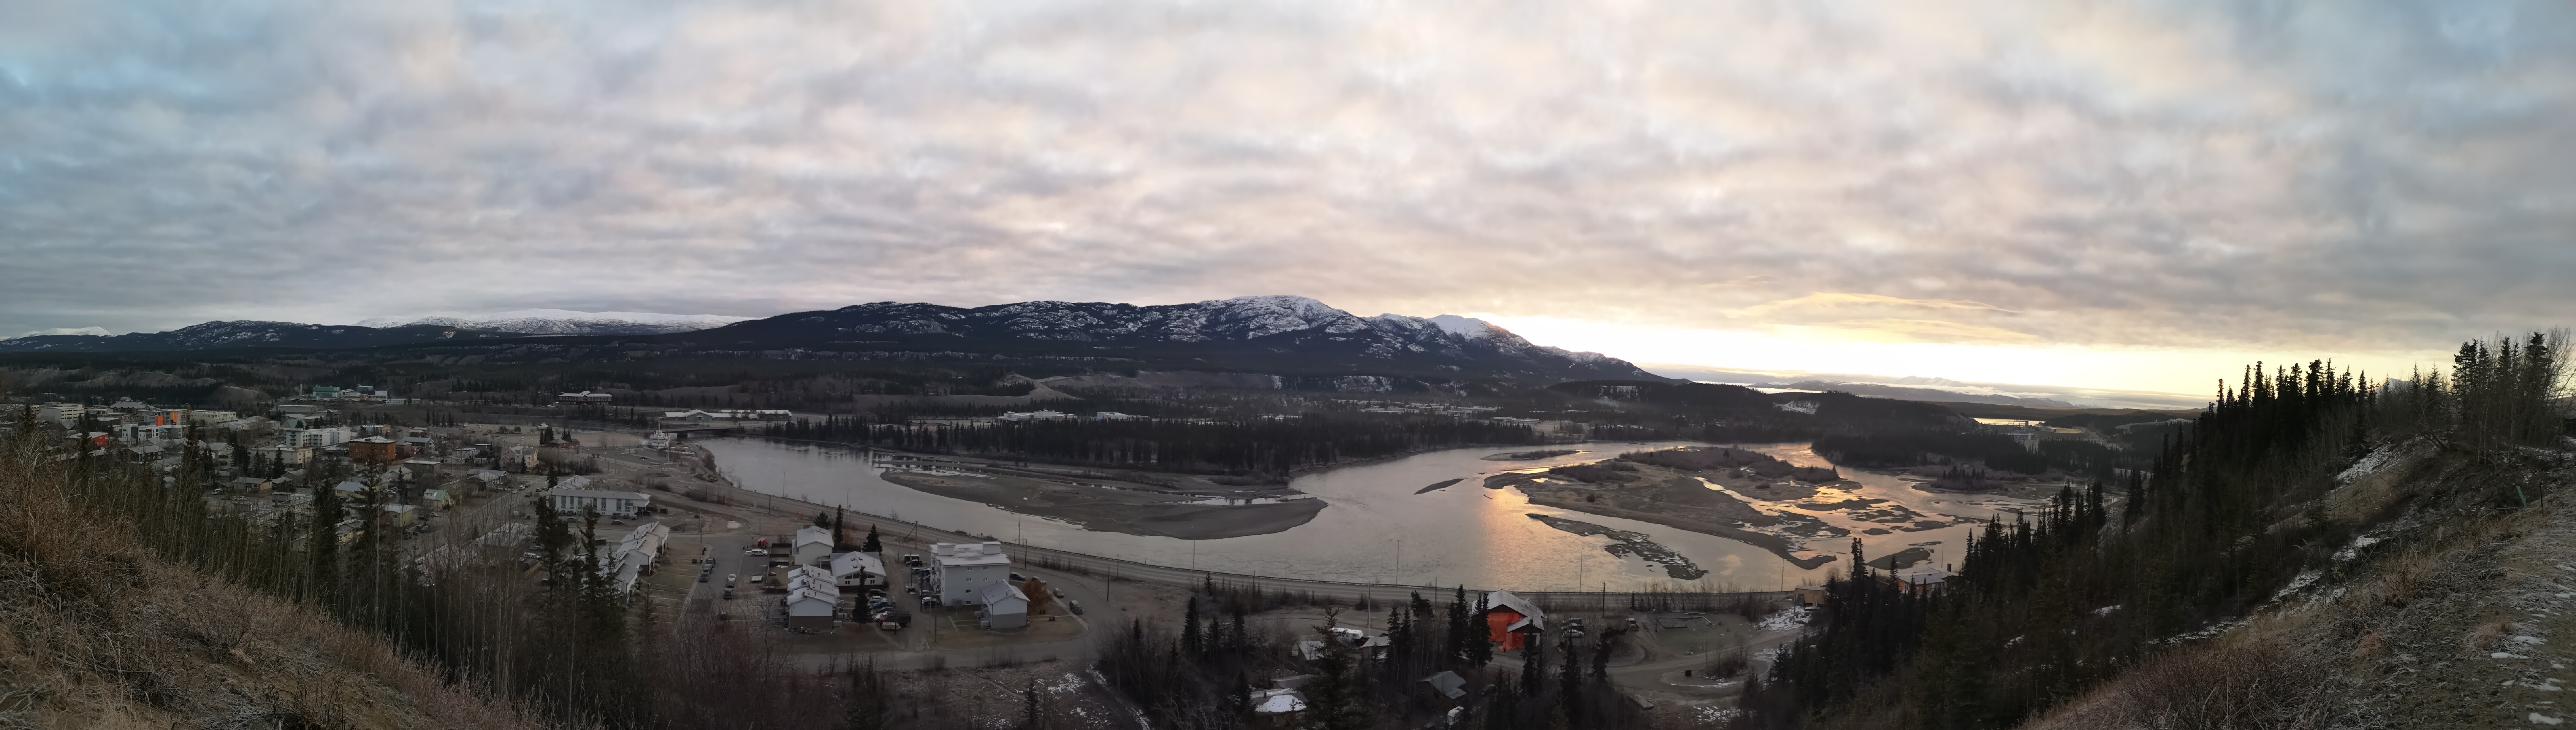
{"x":1274,"y":590}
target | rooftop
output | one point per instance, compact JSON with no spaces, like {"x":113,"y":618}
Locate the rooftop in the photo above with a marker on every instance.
{"x":972,"y":553}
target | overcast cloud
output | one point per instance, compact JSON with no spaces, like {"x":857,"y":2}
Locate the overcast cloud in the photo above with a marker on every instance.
{"x":2386,"y":176}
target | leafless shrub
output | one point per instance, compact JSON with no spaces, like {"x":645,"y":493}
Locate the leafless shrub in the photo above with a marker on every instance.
{"x":2240,"y":684}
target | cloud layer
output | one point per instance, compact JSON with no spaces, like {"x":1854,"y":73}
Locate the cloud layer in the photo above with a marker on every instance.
{"x":2387,"y":175}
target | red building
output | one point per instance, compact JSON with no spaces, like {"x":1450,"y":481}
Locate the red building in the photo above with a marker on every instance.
{"x":1509,"y":619}
{"x":376,"y":450}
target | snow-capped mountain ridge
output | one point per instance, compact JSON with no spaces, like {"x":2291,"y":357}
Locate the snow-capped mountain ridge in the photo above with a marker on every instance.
{"x":62,"y":332}
{"x":566,"y":322}
{"x":1279,"y":323}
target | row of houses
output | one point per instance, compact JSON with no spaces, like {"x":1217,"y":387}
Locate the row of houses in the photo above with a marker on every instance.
{"x":1026,"y":416}
{"x":815,"y":585}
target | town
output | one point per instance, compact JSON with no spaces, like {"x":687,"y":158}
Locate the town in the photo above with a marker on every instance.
{"x":639,"y":512}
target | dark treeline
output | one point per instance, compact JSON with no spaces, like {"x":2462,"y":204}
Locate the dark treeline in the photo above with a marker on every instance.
{"x":1891,"y":449}
{"x":1895,"y":449}
{"x":2046,"y":606}
{"x":1202,"y":675}
{"x":1272,"y":447}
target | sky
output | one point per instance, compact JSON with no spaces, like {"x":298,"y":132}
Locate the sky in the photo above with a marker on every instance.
{"x":2103,"y":194}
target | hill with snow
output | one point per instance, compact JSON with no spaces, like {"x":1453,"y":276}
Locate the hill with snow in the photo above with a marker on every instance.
{"x":565,"y":322}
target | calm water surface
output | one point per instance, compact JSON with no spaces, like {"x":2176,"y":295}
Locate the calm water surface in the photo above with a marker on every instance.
{"x":1375,"y":528}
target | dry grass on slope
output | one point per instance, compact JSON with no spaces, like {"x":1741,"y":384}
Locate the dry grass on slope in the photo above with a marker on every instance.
{"x":97,"y":633}
{"x":2448,"y":613}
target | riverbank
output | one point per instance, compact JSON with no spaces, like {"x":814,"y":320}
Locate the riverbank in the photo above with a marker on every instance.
{"x":1667,"y":491}
{"x":1111,"y":510}
{"x":1625,"y":543}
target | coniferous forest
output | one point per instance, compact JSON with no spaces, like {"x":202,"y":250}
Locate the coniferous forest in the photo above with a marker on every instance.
{"x":2046,"y":606}
{"x":1257,"y":446}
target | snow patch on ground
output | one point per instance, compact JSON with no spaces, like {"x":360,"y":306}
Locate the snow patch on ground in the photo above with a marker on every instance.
{"x":1718,"y":715}
{"x":2354,"y":550}
{"x":1800,"y":406}
{"x":1786,"y":619}
{"x":2376,"y":461}
{"x":2301,"y":582}
{"x":2208,"y":631}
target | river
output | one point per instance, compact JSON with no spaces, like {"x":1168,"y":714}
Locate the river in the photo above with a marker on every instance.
{"x":1377,"y":529}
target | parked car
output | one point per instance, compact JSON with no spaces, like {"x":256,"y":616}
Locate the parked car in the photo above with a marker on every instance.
{"x":729,"y":578}
{"x":1059,"y":592}
{"x":755,"y":577}
{"x":702,"y":577}
{"x":1075,"y":606}
{"x":728,"y":594}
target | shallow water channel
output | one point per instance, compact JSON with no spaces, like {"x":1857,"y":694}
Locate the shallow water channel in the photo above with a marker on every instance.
{"x":1377,"y":529}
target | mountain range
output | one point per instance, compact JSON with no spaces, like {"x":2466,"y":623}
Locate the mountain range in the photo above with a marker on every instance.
{"x":566,"y":322}
{"x":1260,"y":334}
{"x":1270,"y":334}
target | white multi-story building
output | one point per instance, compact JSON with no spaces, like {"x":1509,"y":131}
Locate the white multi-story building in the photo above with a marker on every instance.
{"x":313,"y":438}
{"x":959,"y":572}
{"x":145,"y":433}
{"x":67,"y":414}
{"x":608,"y":503}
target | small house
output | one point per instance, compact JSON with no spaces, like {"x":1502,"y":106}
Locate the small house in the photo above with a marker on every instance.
{"x":1277,"y":708}
{"x":1446,"y":686}
{"x":1927,"y":581}
{"x":1810,"y":595}
{"x":810,"y":608}
{"x":247,"y":487}
{"x":807,"y":576}
{"x":401,"y":515}
{"x":858,"y":570}
{"x":1510,"y":618}
{"x":813,"y":546}
{"x":436,"y":498}
{"x":1005,"y":607}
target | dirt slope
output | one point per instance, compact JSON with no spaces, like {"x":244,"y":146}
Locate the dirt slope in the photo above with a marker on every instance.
{"x":2446,"y":611}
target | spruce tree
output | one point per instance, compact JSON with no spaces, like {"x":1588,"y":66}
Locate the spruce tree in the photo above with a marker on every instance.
{"x":872,"y":545}
{"x":1190,"y":641}
{"x":1533,"y":664}
{"x":1480,"y":647}
{"x":1032,"y":713}
{"x":1569,"y":681}
{"x":1455,"y":648}
{"x":1236,"y":639}
{"x":322,"y":547}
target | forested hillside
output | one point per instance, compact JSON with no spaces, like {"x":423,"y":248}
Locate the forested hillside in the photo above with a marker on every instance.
{"x":123,"y":594}
{"x":2225,"y":521}
{"x":1267,"y":447}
